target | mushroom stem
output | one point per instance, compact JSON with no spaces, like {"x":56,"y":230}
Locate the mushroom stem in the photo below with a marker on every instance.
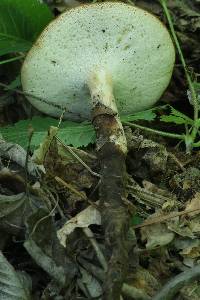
{"x":103,"y":103}
{"x":111,"y":150}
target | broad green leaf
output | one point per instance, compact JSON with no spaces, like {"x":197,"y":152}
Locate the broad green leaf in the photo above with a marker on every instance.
{"x":71,"y":133}
{"x":77,"y":135}
{"x":176,"y":117}
{"x":11,"y":287}
{"x":21,"y":21}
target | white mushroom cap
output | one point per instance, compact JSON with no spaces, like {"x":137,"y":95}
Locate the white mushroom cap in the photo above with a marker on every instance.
{"x":129,"y":43}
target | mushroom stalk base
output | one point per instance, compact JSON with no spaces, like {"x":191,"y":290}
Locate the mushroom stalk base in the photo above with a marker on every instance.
{"x":111,"y":150}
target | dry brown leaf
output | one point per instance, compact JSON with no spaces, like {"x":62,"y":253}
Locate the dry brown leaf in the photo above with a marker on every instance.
{"x":156,"y":235}
{"x":88,"y":216}
{"x":194,"y":204}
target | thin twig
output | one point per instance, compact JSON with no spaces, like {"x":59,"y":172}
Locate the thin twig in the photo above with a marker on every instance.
{"x":70,"y":187}
{"x":78,"y":158}
{"x":161,"y":219}
{"x":176,"y":160}
{"x":7,"y":87}
{"x":46,"y":101}
{"x":96,"y":248}
{"x":11,"y":59}
{"x":154,"y":131}
{"x":42,"y":219}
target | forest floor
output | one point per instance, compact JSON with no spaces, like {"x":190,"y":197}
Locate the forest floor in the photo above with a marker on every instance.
{"x":58,"y":249}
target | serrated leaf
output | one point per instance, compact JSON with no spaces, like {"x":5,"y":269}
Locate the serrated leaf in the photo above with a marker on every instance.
{"x":172,"y":119}
{"x":181,"y":115}
{"x":176,"y":117}
{"x":77,"y":135}
{"x":146,"y":115}
{"x":20,"y":23}
{"x":11,"y":287}
{"x":71,"y":133}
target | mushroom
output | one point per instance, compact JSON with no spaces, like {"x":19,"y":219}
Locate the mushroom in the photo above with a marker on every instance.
{"x":99,"y":61}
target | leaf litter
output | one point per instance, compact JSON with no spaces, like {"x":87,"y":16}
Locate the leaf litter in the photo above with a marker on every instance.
{"x":50,"y":216}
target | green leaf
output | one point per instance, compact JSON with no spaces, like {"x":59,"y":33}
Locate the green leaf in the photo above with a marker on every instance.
{"x":176,"y":117}
{"x":14,"y":84}
{"x":71,"y":133}
{"x":21,"y":21}
{"x":136,"y":220}
{"x":196,"y":85}
{"x":77,"y":134}
{"x":11,"y":287}
{"x":173,"y":119}
{"x":147,"y":115}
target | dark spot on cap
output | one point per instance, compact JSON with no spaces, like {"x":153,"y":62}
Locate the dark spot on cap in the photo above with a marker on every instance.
{"x":103,"y":30}
{"x":158,"y":46}
{"x":53,"y":62}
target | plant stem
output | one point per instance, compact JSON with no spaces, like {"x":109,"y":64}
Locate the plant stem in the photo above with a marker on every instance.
{"x":196,"y":145}
{"x":11,"y":59}
{"x":154,"y":131}
{"x":189,"y":80}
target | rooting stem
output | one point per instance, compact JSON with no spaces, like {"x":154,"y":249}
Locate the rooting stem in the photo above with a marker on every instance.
{"x":111,"y":150}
